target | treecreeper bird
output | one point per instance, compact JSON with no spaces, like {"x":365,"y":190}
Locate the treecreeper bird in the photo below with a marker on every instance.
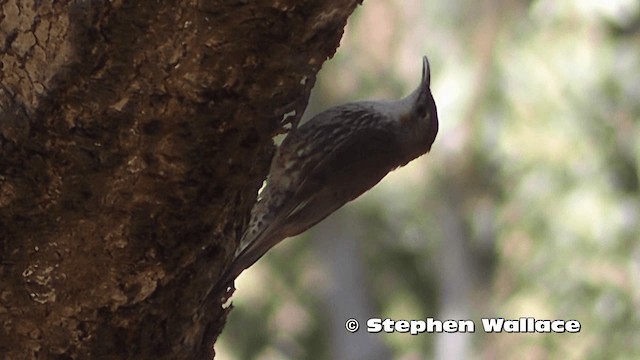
{"x":332,"y":159}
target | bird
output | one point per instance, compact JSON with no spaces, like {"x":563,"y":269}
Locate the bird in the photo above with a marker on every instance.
{"x":332,"y":159}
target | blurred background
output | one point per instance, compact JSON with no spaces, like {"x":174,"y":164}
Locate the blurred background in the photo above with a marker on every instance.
{"x":527,"y":206}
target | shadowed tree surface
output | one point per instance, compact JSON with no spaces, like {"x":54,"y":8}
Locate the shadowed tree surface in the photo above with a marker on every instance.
{"x":133,"y":139}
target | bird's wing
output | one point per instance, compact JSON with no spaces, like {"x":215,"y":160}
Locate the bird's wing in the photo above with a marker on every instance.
{"x":336,"y":171}
{"x":341,"y":175}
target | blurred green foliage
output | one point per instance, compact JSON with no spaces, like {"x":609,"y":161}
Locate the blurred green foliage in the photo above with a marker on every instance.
{"x":527,"y":206}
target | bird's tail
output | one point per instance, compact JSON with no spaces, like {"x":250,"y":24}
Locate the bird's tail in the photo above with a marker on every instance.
{"x":253,"y":250}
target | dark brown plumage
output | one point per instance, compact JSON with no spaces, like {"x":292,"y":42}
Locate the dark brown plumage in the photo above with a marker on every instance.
{"x":332,"y":159}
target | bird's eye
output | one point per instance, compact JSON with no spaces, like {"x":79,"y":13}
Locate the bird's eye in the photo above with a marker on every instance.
{"x":421,"y":111}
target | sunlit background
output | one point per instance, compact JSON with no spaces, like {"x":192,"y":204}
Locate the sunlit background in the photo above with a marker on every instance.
{"x":527,"y":206}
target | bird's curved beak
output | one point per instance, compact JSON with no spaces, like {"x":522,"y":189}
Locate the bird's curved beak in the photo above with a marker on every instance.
{"x":426,"y":72}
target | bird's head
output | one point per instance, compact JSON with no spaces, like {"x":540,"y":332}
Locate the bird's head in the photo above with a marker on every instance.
{"x":419,"y":121}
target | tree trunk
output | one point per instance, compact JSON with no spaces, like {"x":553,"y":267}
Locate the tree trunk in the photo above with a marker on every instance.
{"x":133,"y":139}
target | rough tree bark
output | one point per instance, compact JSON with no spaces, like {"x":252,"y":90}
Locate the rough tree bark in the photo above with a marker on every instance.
{"x":133,"y":139}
